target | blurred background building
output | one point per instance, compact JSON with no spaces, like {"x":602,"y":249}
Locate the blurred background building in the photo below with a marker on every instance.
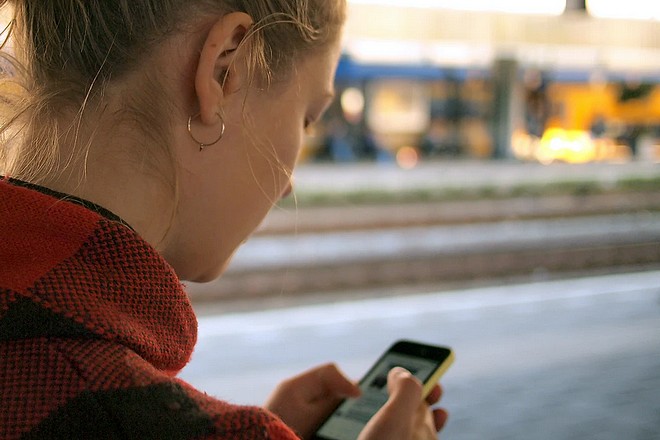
{"x":548,"y":80}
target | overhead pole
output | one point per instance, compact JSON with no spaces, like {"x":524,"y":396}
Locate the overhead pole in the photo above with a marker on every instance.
{"x":573,"y":6}
{"x":506,"y":105}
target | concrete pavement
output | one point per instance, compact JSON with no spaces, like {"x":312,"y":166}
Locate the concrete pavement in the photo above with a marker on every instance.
{"x":572,"y":359}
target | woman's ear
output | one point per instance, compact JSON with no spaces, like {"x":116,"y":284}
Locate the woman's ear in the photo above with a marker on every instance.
{"x":216,"y":77}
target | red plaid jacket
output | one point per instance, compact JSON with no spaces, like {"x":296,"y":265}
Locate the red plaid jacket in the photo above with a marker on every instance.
{"x":94,"y":326}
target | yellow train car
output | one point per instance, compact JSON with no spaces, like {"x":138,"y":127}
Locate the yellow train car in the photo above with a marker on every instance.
{"x":596,"y":121}
{"x":579,"y":106}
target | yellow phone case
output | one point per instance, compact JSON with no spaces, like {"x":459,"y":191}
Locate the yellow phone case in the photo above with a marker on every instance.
{"x":435,"y":377}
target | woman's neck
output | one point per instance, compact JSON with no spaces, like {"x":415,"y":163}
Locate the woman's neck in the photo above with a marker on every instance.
{"x":119,"y":174}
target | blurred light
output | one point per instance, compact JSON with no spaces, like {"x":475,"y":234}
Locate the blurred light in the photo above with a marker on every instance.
{"x":535,"y":7}
{"x":441,"y":53}
{"x":407,"y":158}
{"x":390,"y":51}
{"x":524,"y":145}
{"x":352,"y":104}
{"x":570,"y":146}
{"x":632,"y":9}
{"x":398,"y":106}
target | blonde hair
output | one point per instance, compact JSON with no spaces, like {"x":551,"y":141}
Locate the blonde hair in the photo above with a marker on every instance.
{"x":68,"y":52}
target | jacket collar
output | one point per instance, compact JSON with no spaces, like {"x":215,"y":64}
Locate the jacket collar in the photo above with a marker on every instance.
{"x":88,"y":274}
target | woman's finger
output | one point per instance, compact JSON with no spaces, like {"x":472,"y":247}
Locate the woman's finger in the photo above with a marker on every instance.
{"x":440,"y":417}
{"x":435,"y":395}
{"x":397,"y":419}
{"x":425,"y":426}
{"x":335,"y":383}
{"x":404,"y":388}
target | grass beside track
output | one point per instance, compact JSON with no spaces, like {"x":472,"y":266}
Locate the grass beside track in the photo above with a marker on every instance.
{"x":429,"y":194}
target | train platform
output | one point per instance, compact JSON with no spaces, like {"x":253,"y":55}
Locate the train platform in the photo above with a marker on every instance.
{"x":460,"y":176}
{"x":549,"y":360}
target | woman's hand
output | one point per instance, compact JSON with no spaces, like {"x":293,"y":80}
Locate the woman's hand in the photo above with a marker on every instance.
{"x":304,"y":401}
{"x":405,"y":416}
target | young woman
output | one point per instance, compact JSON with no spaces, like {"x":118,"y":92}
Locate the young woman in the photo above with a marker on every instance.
{"x":147,"y":140}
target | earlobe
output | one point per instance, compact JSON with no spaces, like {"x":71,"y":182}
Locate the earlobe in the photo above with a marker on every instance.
{"x":216,"y":75}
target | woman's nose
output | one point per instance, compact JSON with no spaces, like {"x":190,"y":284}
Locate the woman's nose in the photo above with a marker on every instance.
{"x":287,"y":191}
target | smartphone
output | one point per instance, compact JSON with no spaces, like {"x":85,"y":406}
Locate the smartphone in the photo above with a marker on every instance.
{"x":426,"y":362}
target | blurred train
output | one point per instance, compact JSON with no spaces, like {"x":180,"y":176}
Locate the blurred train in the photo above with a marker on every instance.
{"x":408,"y":113}
{"x":589,"y":116}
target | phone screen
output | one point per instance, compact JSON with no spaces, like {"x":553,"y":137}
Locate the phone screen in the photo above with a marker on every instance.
{"x":350,"y":417}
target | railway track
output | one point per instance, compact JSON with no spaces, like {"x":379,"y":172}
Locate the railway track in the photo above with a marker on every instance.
{"x":335,"y":249}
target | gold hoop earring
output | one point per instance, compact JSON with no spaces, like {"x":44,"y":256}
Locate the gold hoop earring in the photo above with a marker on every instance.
{"x":203,"y":145}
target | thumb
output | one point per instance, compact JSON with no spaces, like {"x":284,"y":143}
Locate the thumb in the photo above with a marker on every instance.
{"x":405,"y":390}
{"x":396,"y":419}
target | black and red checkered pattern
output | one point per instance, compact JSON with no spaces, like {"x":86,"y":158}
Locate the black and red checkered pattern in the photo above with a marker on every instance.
{"x":94,"y":327}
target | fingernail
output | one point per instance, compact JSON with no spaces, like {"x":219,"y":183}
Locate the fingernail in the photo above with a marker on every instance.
{"x":400,"y":371}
